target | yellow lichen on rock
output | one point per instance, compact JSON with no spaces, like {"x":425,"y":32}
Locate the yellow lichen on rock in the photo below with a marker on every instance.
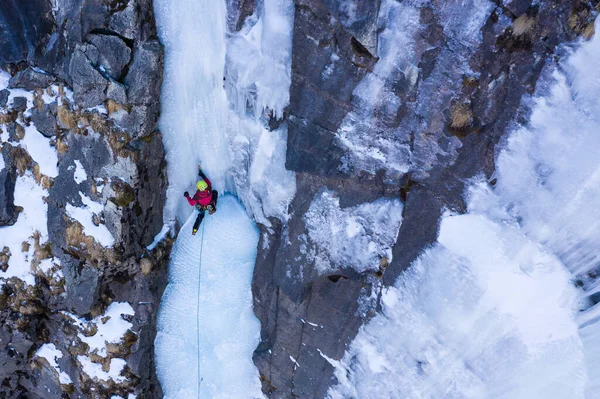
{"x":461,"y":116}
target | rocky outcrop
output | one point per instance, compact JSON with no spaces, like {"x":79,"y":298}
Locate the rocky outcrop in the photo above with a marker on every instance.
{"x":88,"y":74}
{"x":8,"y":178}
{"x":444,"y":100}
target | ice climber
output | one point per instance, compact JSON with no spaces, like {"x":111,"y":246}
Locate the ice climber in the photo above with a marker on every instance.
{"x":205,"y":199}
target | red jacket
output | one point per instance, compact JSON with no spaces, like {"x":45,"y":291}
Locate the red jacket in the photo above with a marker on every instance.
{"x":202,"y":198}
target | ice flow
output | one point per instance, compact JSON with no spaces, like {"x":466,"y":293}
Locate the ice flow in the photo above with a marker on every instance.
{"x":209,"y":356}
{"x":225,"y":249}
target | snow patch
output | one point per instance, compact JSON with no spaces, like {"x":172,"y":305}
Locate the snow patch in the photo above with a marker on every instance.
{"x":99,"y":109}
{"x":21,"y":93}
{"x":30,"y":196}
{"x":4,"y":79}
{"x":85,"y":216}
{"x":80,"y":176}
{"x":94,"y":370}
{"x":52,"y":354}
{"x":41,"y":151}
{"x":110,"y":327}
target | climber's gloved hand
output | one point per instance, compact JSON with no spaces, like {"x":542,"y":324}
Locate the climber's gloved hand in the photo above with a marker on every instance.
{"x":186,"y":194}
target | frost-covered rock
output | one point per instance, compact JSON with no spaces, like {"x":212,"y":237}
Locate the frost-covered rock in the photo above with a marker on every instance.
{"x":359,"y":237}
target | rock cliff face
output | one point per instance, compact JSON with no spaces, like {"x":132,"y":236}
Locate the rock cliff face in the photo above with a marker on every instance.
{"x":389,"y":99}
{"x":394,"y":100}
{"x":79,"y":130}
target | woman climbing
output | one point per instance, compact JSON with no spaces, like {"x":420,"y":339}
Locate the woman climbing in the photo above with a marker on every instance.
{"x":205,"y":199}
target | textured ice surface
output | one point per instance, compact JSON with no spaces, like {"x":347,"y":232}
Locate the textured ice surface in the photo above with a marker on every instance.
{"x":492,"y":309}
{"x":215,"y":115}
{"x":194,"y":104}
{"x":259,"y":60}
{"x":357,"y":237}
{"x":484,"y":314}
{"x":202,"y":121}
{"x":225,"y":248}
{"x":257,"y":80}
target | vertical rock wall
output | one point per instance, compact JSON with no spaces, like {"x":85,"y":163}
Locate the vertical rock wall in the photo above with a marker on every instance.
{"x":447,"y":93}
{"x":93,"y":72}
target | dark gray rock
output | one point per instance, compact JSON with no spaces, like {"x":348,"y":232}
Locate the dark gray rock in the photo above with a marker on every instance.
{"x":114,"y":54}
{"x":517,"y":7}
{"x":8,"y":178}
{"x":360,"y":18}
{"x":145,"y":73}
{"x":237,"y":12}
{"x":30,"y":79}
{"x":4,"y":94}
{"x":150,"y":194}
{"x":45,"y":119}
{"x":25,"y":27}
{"x":318,"y":101}
{"x":134,"y":22}
{"x":15,"y":132}
{"x":83,"y":284}
{"x":117,"y":92}
{"x":140,"y":120}
{"x":126,"y":22}
{"x":88,"y":46}
{"x":94,"y":155}
{"x":14,"y":346}
{"x":19,"y":104}
{"x":51,"y":386}
{"x":311,"y":148}
{"x":89,"y":84}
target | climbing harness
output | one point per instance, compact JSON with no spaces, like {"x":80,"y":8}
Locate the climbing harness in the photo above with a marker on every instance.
{"x":198,"y":307}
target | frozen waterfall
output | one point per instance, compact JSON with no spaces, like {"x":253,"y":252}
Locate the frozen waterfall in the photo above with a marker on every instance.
{"x":210,"y":274}
{"x":225,"y":248}
{"x":505,"y":304}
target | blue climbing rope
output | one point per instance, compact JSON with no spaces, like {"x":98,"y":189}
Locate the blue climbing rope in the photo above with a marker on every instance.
{"x":198,"y":306}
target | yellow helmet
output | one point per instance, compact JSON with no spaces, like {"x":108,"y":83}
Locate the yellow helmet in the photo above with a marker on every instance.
{"x":201,"y":185}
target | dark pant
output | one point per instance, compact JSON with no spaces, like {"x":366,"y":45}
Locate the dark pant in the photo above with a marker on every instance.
{"x":213,"y":202}
{"x":198,"y":220}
